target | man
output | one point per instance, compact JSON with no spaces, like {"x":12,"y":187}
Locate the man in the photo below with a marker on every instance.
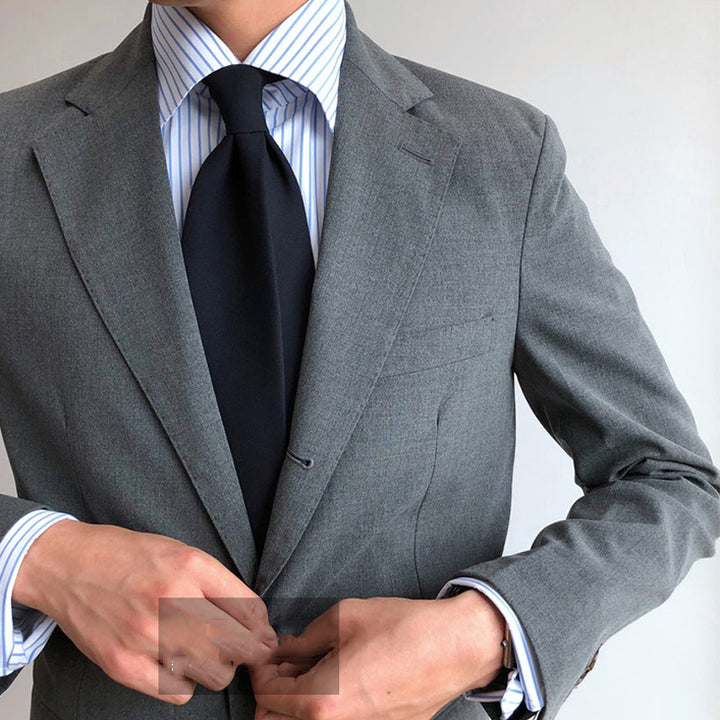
{"x":450,"y":254}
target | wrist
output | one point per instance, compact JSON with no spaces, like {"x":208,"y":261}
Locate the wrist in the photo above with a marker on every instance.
{"x":41,"y":568}
{"x":478,"y":629}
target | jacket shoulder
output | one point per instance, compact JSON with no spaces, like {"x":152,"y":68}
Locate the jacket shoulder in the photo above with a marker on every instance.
{"x":469,"y":107}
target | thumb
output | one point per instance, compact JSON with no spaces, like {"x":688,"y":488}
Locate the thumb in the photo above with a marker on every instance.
{"x":228,"y":592}
{"x":317,"y":639}
{"x":262,"y":713}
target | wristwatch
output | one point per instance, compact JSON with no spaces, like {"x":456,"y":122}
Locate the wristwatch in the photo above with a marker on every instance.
{"x":507,"y":648}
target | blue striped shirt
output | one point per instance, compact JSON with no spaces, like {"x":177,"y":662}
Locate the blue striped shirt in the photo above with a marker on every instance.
{"x":307,"y":49}
{"x":300,"y":111}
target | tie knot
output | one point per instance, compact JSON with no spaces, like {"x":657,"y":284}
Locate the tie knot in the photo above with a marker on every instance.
{"x":237,"y":90}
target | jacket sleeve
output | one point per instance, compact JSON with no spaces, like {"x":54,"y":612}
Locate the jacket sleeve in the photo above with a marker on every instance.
{"x":594,"y":377}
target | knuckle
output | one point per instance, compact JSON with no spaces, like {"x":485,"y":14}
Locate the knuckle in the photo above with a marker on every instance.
{"x":208,"y":672}
{"x":257,"y":610}
{"x":345,"y":611}
{"x":346,"y":605}
{"x":179,"y":699}
{"x":146,"y":628}
{"x":189,"y":559}
{"x":219,"y":678}
{"x":116,"y":664}
{"x":212,"y":682}
{"x":158,"y":587}
{"x":235,"y":648}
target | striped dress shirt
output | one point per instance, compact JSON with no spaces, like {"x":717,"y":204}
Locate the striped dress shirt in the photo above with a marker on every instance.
{"x":307,"y":49}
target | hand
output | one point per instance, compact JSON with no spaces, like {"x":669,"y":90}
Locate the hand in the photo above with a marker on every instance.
{"x":102,"y":584}
{"x":389,"y":658}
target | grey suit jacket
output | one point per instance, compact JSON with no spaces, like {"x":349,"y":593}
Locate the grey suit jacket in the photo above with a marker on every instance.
{"x":454,"y":255}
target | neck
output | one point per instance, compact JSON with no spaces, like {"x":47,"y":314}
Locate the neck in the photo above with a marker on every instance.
{"x":242,"y":24}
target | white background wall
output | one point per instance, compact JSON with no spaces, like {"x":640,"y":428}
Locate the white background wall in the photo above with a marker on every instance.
{"x":633,"y":87}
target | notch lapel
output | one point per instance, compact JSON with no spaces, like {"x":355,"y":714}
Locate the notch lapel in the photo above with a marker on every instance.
{"x":105,"y":169}
{"x":388,"y":174}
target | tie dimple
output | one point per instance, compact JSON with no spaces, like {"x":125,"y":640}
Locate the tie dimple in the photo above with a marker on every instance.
{"x":228,"y":84}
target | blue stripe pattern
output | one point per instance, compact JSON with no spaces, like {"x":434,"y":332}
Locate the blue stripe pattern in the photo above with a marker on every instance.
{"x":23,"y":631}
{"x":300,"y":112}
{"x":306,"y":48}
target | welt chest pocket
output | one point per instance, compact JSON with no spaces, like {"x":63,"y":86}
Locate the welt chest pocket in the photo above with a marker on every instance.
{"x":419,"y":348}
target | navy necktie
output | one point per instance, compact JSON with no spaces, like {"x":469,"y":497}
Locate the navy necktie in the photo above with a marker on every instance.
{"x":250,"y":269}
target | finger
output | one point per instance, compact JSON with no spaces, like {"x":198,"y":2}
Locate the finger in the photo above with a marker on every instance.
{"x":171,"y":688}
{"x":237,"y":634}
{"x":296,"y":655}
{"x":207,"y":671}
{"x":232,"y":642}
{"x":262,"y":713}
{"x":248,"y":610}
{"x":233,"y":596}
{"x":260,"y":675}
{"x":217,"y":581}
{"x":196,"y":627}
{"x":293,"y":669}
{"x":291,"y":695}
{"x":283,"y":699}
{"x":319,"y":637}
{"x":251,"y":614}
{"x":152,"y":678}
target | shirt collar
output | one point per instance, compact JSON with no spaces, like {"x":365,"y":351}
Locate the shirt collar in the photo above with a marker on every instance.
{"x":307,"y":47}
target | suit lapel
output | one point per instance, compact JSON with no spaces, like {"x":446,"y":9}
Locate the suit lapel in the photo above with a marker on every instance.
{"x":105,"y":169}
{"x":388,"y":174}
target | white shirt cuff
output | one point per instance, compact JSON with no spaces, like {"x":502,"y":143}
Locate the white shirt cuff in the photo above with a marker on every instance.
{"x":522,"y":682}
{"x":24,"y":631}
